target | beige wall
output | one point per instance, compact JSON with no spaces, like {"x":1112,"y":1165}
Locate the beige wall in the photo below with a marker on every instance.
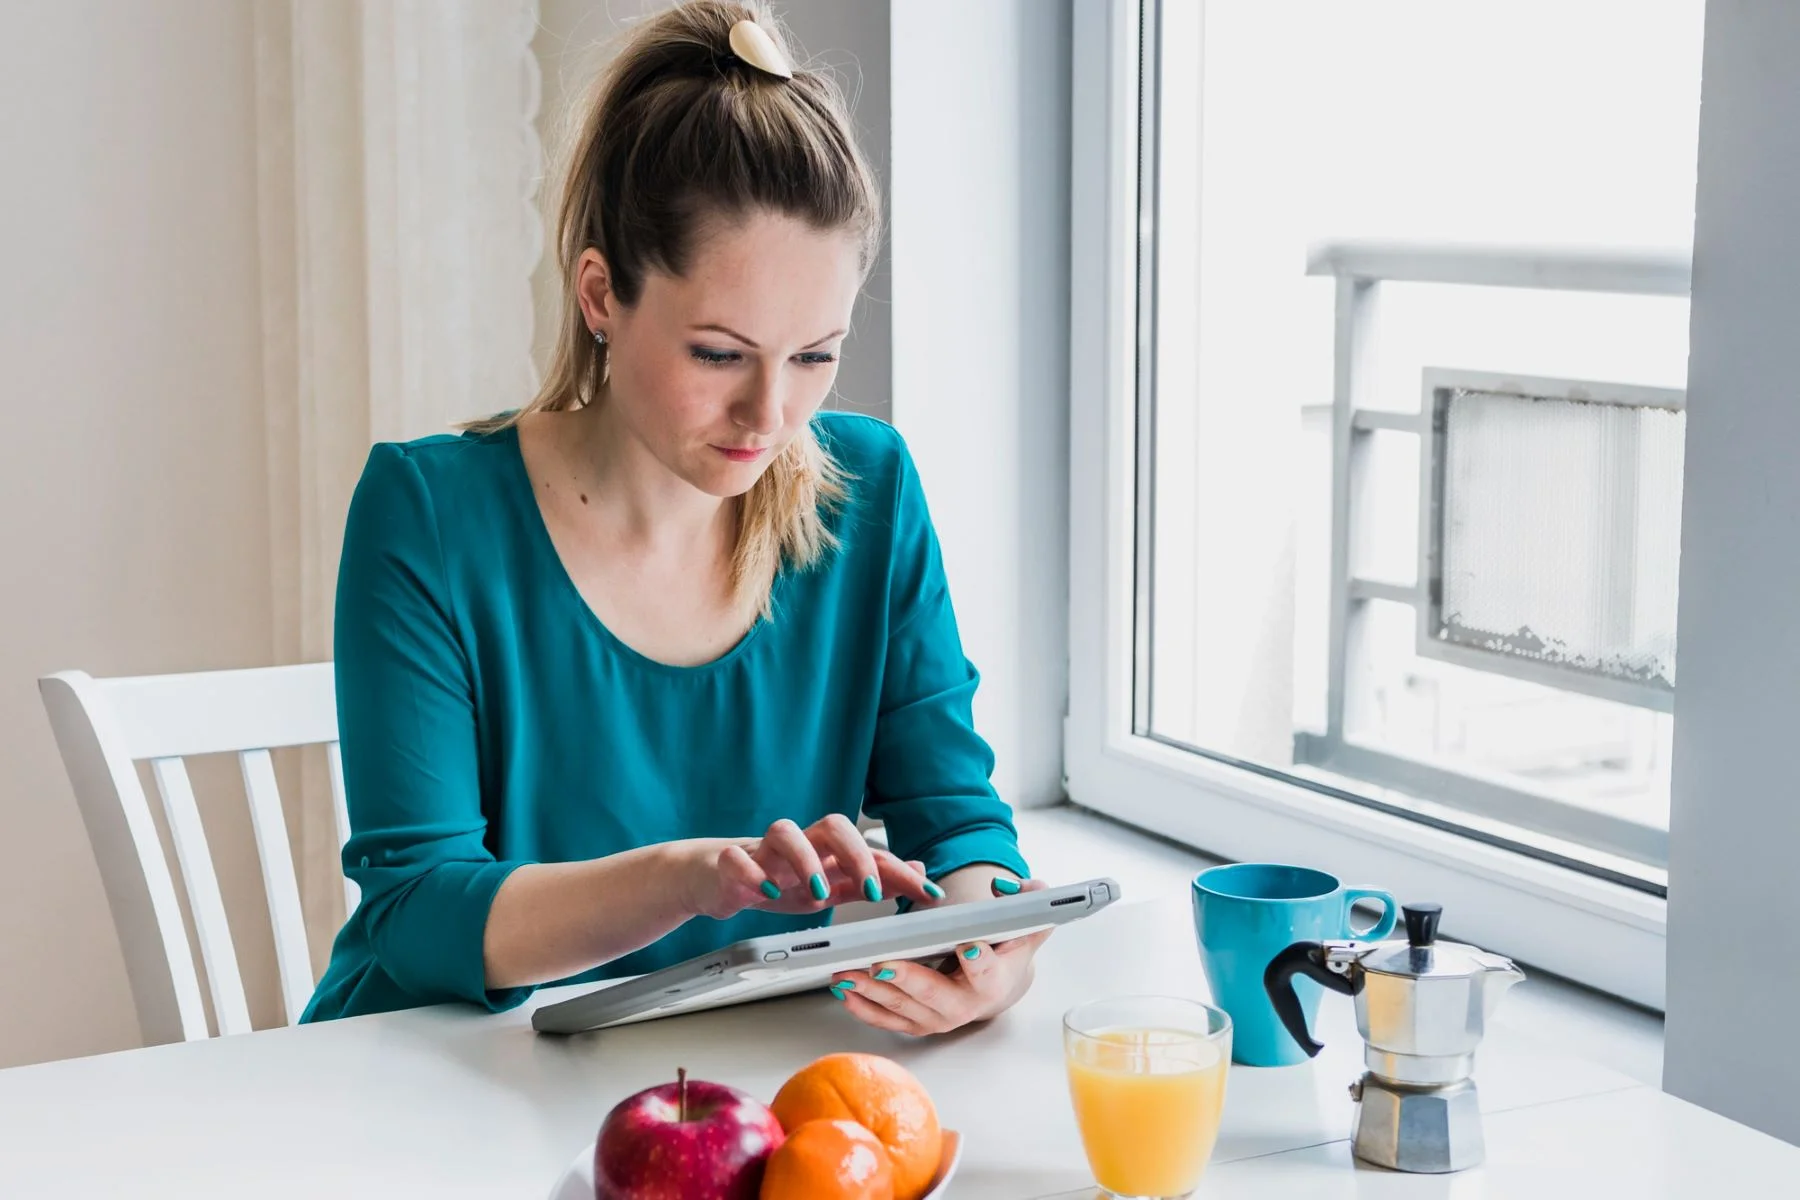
{"x":133,"y":509}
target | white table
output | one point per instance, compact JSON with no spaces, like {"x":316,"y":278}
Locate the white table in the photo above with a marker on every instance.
{"x":449,"y":1102}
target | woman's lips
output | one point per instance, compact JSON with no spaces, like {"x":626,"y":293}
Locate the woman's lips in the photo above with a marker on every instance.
{"x":741,"y":453}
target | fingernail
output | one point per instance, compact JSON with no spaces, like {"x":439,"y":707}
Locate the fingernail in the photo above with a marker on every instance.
{"x":770,"y":890}
{"x":872,"y":889}
{"x":1005,"y":886}
{"x":885,"y":974}
{"x":819,"y":890}
{"x":842,"y":988}
{"x":933,"y":890}
{"x":972,"y":952}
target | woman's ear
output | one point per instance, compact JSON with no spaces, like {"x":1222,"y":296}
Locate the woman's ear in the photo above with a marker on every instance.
{"x":593,"y":289}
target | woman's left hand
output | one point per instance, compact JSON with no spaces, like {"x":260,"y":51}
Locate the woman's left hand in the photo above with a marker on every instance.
{"x":909,"y":997}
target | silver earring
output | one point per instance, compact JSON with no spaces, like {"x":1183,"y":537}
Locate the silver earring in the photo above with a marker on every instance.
{"x":600,"y":338}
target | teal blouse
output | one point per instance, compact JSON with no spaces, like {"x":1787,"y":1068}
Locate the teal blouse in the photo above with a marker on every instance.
{"x":488,"y":719}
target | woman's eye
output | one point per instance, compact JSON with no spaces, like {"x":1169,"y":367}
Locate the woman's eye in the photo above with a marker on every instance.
{"x":725,"y":358}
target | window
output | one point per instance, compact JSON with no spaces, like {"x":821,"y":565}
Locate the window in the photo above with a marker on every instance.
{"x":1383,"y":514}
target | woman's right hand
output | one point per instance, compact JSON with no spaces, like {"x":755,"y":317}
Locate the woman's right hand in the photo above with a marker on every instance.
{"x":793,"y":870}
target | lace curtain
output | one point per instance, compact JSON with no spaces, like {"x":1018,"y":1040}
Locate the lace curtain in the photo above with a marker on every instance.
{"x":398,"y":165}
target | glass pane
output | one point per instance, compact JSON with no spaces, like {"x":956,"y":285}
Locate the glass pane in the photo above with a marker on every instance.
{"x":1384,"y":544}
{"x":1286,"y":609}
{"x":1595,"y":754}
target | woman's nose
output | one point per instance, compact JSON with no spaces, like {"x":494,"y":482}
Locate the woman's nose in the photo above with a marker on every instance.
{"x":759,"y":409}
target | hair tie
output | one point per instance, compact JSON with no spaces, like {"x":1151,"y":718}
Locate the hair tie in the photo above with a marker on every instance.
{"x":752,"y":43}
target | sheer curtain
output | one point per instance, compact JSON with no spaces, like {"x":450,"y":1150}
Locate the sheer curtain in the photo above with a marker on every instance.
{"x":398,"y":165}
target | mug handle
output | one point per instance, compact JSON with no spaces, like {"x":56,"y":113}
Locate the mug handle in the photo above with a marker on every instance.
{"x":1390,"y":910}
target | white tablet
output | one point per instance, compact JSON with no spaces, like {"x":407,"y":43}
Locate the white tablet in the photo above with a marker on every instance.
{"x":777,"y":964}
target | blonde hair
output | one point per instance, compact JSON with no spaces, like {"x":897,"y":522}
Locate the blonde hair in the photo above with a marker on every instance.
{"x":679,"y":135}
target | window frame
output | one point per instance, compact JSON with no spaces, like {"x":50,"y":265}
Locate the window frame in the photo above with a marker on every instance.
{"x":1567,"y":921}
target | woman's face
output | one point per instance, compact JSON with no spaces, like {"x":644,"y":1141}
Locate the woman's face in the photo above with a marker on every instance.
{"x":714,"y":373}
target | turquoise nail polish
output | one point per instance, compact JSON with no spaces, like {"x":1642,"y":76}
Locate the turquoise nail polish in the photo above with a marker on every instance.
{"x":972,"y":952}
{"x":770,"y":890}
{"x":933,"y":890}
{"x":1005,"y":886}
{"x":872,"y":890}
{"x":819,"y":890}
{"x":840,"y":990}
{"x":885,"y":974}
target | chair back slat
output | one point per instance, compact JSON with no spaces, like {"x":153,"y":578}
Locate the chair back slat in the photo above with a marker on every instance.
{"x":204,"y":902}
{"x":340,"y":810}
{"x":292,"y":958}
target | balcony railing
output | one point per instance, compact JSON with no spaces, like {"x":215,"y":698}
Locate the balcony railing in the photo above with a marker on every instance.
{"x":1619,"y":644}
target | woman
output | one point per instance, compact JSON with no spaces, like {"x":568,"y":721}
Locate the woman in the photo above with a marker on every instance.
{"x":616,"y":673}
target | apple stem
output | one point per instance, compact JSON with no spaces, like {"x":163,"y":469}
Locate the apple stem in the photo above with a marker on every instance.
{"x":681,"y":1080}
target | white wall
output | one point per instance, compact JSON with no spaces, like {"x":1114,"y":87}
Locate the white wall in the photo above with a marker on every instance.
{"x":133,"y":509}
{"x":981,"y":325}
{"x":1734,"y":932}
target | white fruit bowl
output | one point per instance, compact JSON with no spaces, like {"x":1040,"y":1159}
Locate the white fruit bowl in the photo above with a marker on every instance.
{"x":577,"y":1182}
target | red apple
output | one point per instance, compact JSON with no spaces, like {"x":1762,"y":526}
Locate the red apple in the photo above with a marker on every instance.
{"x":687,"y":1140}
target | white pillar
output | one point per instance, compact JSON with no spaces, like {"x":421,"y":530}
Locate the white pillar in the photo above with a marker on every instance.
{"x":1734,"y":888}
{"x":980,"y":201}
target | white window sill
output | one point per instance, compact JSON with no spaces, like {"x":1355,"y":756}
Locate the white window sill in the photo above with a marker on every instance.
{"x":1069,"y":843}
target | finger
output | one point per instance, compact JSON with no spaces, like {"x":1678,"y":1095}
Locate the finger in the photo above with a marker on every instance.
{"x":773,"y":865}
{"x":886,"y":994}
{"x":929,"y":989}
{"x":837,"y":835}
{"x":879,"y":1017}
{"x":787,"y":844}
{"x":976,"y":962}
{"x":841,"y":887}
{"x":894,"y":877}
{"x":745,"y":876}
{"x":902,"y":878}
{"x":1026,"y":946}
{"x":933,"y":893}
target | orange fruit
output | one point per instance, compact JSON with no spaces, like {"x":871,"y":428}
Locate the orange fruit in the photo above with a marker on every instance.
{"x":829,"y":1160}
{"x":878,"y":1094}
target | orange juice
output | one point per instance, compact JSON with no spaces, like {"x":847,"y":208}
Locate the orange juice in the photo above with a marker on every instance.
{"x":1148,"y":1103}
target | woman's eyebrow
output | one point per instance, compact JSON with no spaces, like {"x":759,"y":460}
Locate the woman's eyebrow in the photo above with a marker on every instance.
{"x":729,"y":332}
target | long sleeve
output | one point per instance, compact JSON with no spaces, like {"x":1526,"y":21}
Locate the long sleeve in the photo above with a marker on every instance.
{"x":929,"y":772}
{"x":406,"y":717}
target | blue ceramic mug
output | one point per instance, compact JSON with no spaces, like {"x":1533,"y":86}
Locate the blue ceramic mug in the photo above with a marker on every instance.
{"x":1247,"y":913}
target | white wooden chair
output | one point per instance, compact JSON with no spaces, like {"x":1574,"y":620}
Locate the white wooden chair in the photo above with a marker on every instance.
{"x":104,"y":727}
